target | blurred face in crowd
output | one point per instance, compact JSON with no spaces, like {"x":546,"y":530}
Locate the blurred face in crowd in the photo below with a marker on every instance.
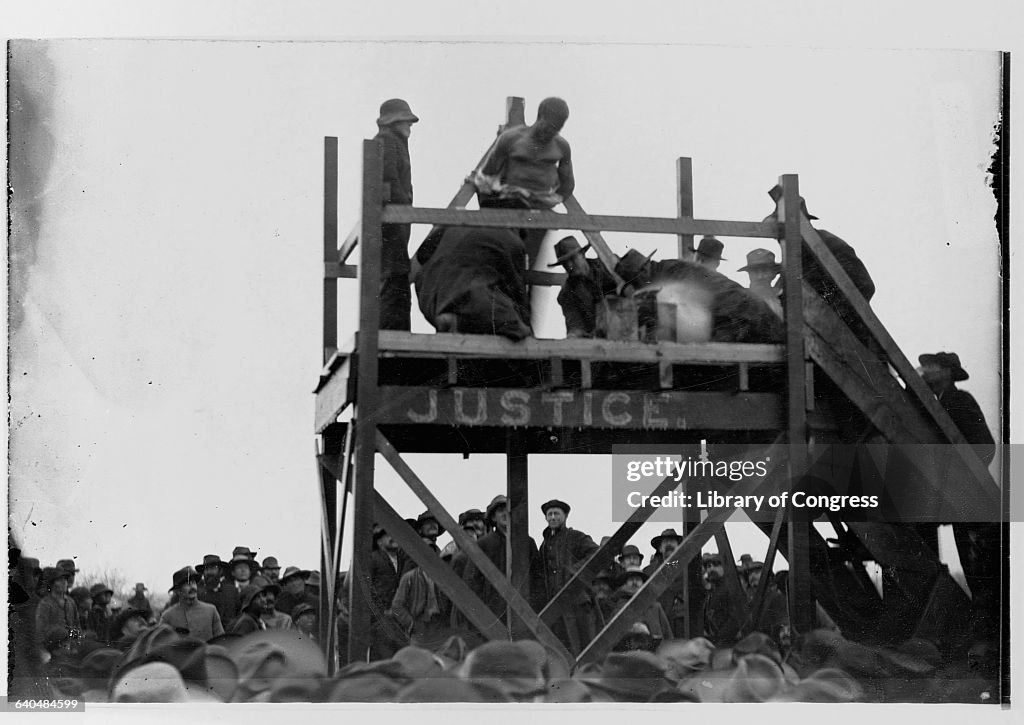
{"x":387,"y":543}
{"x":272,"y":573}
{"x":59,"y":587}
{"x":133,"y":626}
{"x":101,"y":600}
{"x":429,"y":531}
{"x":241,"y":572}
{"x":294,"y":586}
{"x":306,"y":622}
{"x":713,"y":569}
{"x":937,"y":377}
{"x":188,"y":593}
{"x":633,"y":583}
{"x":667,"y":547}
{"x":761,"y":276}
{"x":500,"y":517}
{"x":753,"y":578}
{"x":601,"y":588}
{"x":631,"y":560}
{"x":555,"y":518}
{"x":211,"y":574}
{"x":269,"y":600}
{"x":475,"y":528}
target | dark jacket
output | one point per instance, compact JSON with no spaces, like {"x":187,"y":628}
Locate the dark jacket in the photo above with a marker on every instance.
{"x":52,"y":613}
{"x":224,"y":597}
{"x":397,"y":167}
{"x":580,"y":296}
{"x":653,"y":617}
{"x":561,"y":554}
{"x":286,"y":602}
{"x":384,"y":579}
{"x":99,"y":622}
{"x":967,"y":415}
{"x":246,"y":624}
{"x":493,"y":546}
{"x":141,"y":603}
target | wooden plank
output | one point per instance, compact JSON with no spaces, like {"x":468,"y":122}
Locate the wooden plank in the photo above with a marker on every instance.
{"x":915,"y":385}
{"x":757,"y":607}
{"x":744,"y":376}
{"x":537,"y":219}
{"x":737,"y":595}
{"x":665,"y":378}
{"x":674,"y":565}
{"x":348,"y":246}
{"x":366,"y":395}
{"x":457,"y":590}
{"x":515,"y":112}
{"x":586,"y":376}
{"x":337,"y":270}
{"x":557,"y":378}
{"x":612,"y":409}
{"x":608,"y":258}
{"x":534,"y":277}
{"x":335,"y":395}
{"x":801,"y":597}
{"x":518,"y":539}
{"x":394,"y":342}
{"x":468,"y":544}
{"x":684,"y":202}
{"x":330,"y":296}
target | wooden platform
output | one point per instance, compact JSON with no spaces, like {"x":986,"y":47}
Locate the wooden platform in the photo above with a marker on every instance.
{"x":475,"y":381}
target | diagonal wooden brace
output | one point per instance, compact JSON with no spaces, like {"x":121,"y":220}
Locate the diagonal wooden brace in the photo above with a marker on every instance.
{"x":604,"y":252}
{"x":468,"y":545}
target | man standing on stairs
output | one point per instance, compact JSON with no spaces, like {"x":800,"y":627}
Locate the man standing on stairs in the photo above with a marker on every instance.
{"x":395,"y":124}
{"x":978,"y":544}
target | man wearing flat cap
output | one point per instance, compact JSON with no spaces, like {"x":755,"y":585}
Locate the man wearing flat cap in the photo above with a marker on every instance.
{"x":586,"y":284}
{"x":561,"y":553}
{"x":395,"y":124}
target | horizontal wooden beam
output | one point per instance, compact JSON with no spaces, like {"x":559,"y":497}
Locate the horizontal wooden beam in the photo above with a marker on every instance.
{"x":393,"y":342}
{"x":533,"y":219}
{"x":534,"y":277}
{"x":611,"y":409}
{"x":337,"y":270}
{"x":337,"y":392}
{"x":604,"y":253}
{"x":467,"y":544}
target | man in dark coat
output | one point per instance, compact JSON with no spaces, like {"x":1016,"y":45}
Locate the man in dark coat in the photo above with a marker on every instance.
{"x":474,"y":282}
{"x":99,"y":617}
{"x":562,"y":552}
{"x":586,"y":284}
{"x":387,"y":563}
{"x":56,"y":609}
{"x":139,"y":601}
{"x":395,"y":125}
{"x":671,"y":600}
{"x":978,"y":544}
{"x":293,"y":586}
{"x":216,"y":590}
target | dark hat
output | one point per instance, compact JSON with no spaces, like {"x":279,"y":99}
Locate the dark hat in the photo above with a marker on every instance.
{"x":243,"y":559}
{"x":293,"y":571}
{"x":666,"y":534}
{"x":761,"y":258}
{"x":632,"y":265}
{"x":27,"y":563}
{"x":302,"y":608}
{"x":266,"y":585}
{"x":313,"y":580}
{"x":248,"y":593}
{"x":949,"y":360}
{"x":776,"y":194}
{"x":67,"y":565}
{"x":630,"y":676}
{"x":631,"y":570}
{"x":242,"y":551}
{"x":271,"y":563}
{"x":427,"y":516}
{"x":141,"y":587}
{"x":122,"y":619}
{"x":565,"y":248}
{"x":628,"y":550}
{"x":211,"y":560}
{"x":100,"y":589}
{"x":394,"y":110}
{"x":182,"y":576}
{"x":471,"y":515}
{"x":52,"y":574}
{"x":555,"y":504}
{"x":497,"y":501}
{"x":80,"y":594}
{"x":515,"y":668}
{"x":711,"y":248}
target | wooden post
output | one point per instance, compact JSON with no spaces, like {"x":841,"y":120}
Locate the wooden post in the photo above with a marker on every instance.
{"x":518,"y":539}
{"x":801,"y":602}
{"x":330,"y":335}
{"x":515,"y":112}
{"x":366,"y":396}
{"x":684,"y":186}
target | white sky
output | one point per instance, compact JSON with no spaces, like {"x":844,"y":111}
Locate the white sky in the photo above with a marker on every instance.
{"x":106,"y":409}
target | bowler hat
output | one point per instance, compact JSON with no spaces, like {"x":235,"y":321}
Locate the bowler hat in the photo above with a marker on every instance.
{"x":182,"y":576}
{"x":211,"y":560}
{"x":554,"y":504}
{"x":761,"y":258}
{"x":427,"y":516}
{"x":293,"y":571}
{"x":497,"y":501}
{"x":711,"y":248}
{"x":948,"y":360}
{"x":394,"y":110}
{"x":633,"y":570}
{"x":776,"y":193}
{"x":67,"y":565}
{"x":100,"y":589}
{"x":666,"y":534}
{"x":630,"y":550}
{"x":565,"y":248}
{"x":471,"y":515}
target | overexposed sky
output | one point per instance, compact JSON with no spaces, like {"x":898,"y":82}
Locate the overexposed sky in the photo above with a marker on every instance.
{"x":161,"y":376}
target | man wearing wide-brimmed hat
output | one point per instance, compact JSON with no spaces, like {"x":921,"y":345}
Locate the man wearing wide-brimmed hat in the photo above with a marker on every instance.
{"x":99,"y":616}
{"x":139,"y":601}
{"x":242,"y":567}
{"x":709,"y":252}
{"x":69,"y":568}
{"x":271,"y":570}
{"x":942,"y":371}
{"x":293,"y":590}
{"x":394,"y":126}
{"x":215,"y":589}
{"x":56,"y":609}
{"x":190,"y":616}
{"x":254,"y":602}
{"x":586,"y":283}
{"x":762,"y":269}
{"x":672,"y":599}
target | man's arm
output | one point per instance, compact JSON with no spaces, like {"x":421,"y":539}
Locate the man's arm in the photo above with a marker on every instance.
{"x":566,"y":181}
{"x":499,"y":156}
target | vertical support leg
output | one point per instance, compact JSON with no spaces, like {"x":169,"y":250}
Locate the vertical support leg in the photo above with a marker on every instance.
{"x":684,"y":205}
{"x":366,"y":399}
{"x":333,"y":438}
{"x":518,"y":539}
{"x":802,"y":613}
{"x":693,"y":582}
{"x":330,"y":245}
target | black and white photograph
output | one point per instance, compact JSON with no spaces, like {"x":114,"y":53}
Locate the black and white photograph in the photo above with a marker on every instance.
{"x":502,"y":370}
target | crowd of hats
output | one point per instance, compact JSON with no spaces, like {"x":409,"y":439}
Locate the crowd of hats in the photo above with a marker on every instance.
{"x":284,"y":666}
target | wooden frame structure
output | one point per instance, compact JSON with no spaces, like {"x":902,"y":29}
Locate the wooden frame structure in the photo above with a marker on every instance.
{"x":446,"y":410}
